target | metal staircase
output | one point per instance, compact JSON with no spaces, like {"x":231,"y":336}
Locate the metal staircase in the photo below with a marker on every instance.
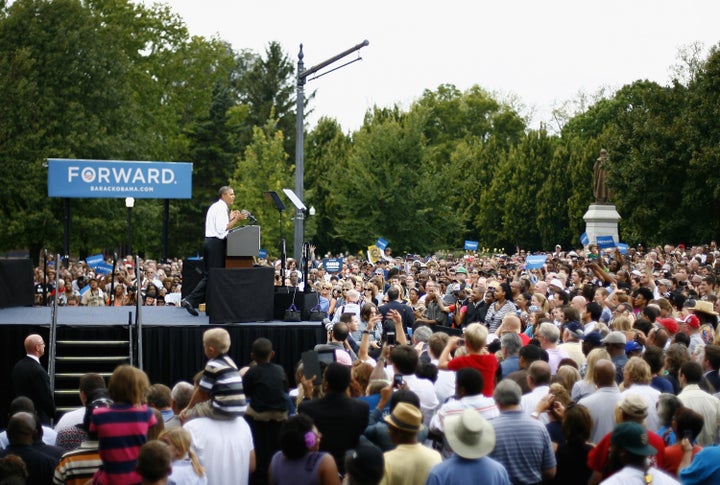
{"x":74,"y":358}
{"x":77,"y":353}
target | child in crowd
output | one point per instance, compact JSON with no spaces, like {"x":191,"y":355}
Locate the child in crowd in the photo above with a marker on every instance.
{"x":265,"y":385}
{"x":122,"y":428}
{"x":186,"y":468}
{"x":219,"y":394}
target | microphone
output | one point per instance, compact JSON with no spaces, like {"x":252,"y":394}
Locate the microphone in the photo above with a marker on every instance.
{"x":251,"y":217}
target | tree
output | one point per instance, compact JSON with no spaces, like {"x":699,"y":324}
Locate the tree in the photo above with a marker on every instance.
{"x":326,"y":147}
{"x":263,"y":168}
{"x":267,"y":86}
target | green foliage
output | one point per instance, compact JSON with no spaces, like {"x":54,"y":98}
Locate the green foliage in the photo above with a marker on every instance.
{"x":264,"y":168}
{"x":112,"y":79}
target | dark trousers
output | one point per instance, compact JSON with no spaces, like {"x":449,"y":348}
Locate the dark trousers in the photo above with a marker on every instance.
{"x":214,"y":257}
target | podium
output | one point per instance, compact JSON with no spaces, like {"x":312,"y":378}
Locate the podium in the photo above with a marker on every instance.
{"x":243,"y":245}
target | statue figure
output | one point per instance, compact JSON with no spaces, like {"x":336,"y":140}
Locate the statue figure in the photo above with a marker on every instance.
{"x":600,"y":175}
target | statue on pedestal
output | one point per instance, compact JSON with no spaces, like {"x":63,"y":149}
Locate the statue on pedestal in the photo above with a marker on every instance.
{"x":600,"y":175}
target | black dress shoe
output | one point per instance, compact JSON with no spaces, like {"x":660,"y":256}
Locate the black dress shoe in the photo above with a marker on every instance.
{"x":188,"y":306}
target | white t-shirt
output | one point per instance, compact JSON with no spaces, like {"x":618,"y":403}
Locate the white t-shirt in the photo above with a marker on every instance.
{"x":630,"y":475}
{"x":223,"y":447}
{"x":70,"y":419}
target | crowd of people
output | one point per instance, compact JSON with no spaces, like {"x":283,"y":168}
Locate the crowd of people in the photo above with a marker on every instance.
{"x":80,"y":284}
{"x":597,"y":367}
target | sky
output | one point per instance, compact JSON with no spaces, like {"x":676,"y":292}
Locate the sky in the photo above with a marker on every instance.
{"x":540,"y":53}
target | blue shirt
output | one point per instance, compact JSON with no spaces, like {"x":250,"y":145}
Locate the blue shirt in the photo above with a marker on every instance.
{"x":704,"y":468}
{"x":522,"y":445}
{"x":662,"y":385}
{"x":455,"y":469}
{"x":509,"y":365}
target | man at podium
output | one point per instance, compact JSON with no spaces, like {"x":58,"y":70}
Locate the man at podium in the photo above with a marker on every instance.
{"x":219,"y":220}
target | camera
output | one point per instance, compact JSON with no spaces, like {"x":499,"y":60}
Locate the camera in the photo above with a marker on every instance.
{"x":390,"y":338}
{"x":398,"y":381}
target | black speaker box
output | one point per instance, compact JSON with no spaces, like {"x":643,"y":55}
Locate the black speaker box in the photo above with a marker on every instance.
{"x":17,"y":285}
{"x":192,"y":273}
{"x":240,"y":295}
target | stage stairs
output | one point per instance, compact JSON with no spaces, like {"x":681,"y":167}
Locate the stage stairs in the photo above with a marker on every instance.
{"x":81,"y":354}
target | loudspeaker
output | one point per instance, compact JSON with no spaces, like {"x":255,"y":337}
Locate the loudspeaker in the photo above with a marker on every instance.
{"x":17,"y":286}
{"x":192,"y":273}
{"x":284,"y":297}
{"x":240,"y":295}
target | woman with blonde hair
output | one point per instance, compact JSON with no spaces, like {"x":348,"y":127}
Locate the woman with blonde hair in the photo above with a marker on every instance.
{"x":186,"y":468}
{"x":567,"y":376}
{"x":539,"y":302}
{"x":586,"y":386}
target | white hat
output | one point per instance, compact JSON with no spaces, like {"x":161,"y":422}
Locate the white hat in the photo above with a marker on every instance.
{"x":469,"y":434}
{"x":556,"y":282}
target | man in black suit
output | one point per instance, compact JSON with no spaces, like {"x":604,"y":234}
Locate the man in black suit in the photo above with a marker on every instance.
{"x":30,"y":379}
{"x":340,"y":419}
{"x":21,"y":433}
{"x":408,"y":318}
{"x":711,"y":364}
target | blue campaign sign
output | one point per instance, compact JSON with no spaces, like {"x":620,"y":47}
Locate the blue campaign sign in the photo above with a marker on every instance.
{"x":605,"y":242}
{"x":381,"y":243}
{"x":471,"y":245}
{"x":535,"y":261}
{"x":262,"y":254}
{"x":622,"y":247}
{"x":103,"y":268}
{"x":333,"y":265}
{"x":95,"y":179}
{"x":94,"y":260}
{"x":584,"y":239}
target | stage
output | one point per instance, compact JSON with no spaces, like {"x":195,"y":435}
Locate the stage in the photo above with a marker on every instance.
{"x":171,"y":338}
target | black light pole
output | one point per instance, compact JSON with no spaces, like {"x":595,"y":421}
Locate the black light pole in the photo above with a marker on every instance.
{"x":129,"y":203}
{"x":302,"y":75}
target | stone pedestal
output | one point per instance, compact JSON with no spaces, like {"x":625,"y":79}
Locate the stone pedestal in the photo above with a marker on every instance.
{"x":601,"y":220}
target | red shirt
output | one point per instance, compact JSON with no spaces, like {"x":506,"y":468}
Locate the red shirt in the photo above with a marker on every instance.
{"x":487,"y":364}
{"x":598,"y":456}
{"x":524,"y":339}
{"x":673,"y":456}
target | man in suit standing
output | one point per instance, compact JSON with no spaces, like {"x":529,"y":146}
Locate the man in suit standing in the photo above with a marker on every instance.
{"x":30,"y":379}
{"x":339,"y":418}
{"x":394,"y":303}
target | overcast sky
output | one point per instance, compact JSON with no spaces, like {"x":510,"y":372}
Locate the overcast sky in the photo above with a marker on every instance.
{"x":542,"y":52}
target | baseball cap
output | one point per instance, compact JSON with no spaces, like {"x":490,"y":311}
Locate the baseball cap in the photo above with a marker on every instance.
{"x":615,"y":338}
{"x":595,"y":338}
{"x":574,"y":327}
{"x":634,"y":406}
{"x":632,"y":437}
{"x":632,"y":346}
{"x":692,"y":320}
{"x":669,"y":324}
{"x":365,"y":464}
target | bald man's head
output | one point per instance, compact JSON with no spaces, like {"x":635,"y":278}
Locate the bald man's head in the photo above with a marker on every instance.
{"x":21,"y":428}
{"x":604,"y":375}
{"x":539,"y":374}
{"x":511,"y":323}
{"x":34,"y":345}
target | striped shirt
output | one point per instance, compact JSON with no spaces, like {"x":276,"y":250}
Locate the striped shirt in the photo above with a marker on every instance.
{"x":222,"y":381}
{"x":78,"y":466}
{"x":121,"y":429}
{"x":522,"y":445}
